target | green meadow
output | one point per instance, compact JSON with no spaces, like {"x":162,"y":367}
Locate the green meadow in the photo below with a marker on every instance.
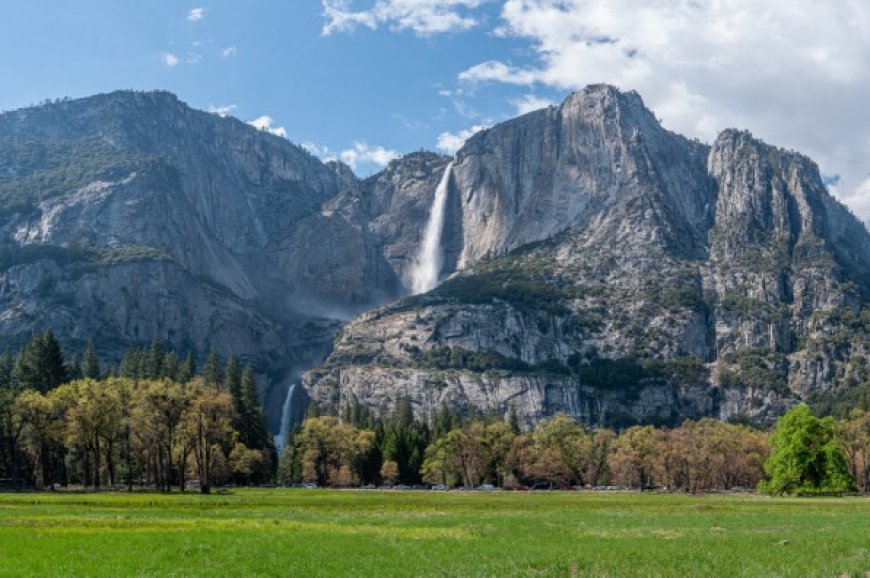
{"x":281,"y":532}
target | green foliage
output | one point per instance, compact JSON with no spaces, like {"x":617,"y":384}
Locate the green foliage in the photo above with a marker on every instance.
{"x":82,"y":256}
{"x":744,"y":305}
{"x":681,"y":296}
{"x":40,"y":365}
{"x":454,"y":357}
{"x":91,"y":366}
{"x":35,"y":169}
{"x":508,"y":281}
{"x":757,"y":367}
{"x":806,"y":456}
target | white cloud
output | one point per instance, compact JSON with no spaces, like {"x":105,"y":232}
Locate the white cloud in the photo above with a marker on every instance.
{"x":857,"y":200}
{"x":222,"y":111}
{"x":228,"y":51}
{"x":196,"y":14}
{"x":170,"y":60}
{"x":363,"y":153}
{"x":449,"y":142}
{"x":530,"y":102}
{"x":423,"y":17}
{"x":323,"y":152}
{"x":794,"y":72}
{"x":264,"y":123}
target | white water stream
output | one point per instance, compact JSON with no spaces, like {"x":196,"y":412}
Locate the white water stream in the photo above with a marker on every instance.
{"x":280,"y":438}
{"x":427,"y":268}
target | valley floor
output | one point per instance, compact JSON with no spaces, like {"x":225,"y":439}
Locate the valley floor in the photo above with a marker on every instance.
{"x":279,"y":532}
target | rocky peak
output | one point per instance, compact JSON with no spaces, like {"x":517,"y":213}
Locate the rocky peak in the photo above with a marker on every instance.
{"x":600,"y":155}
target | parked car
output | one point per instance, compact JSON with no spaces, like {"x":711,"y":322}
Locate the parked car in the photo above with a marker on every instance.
{"x":439,"y":487}
{"x":486,"y":488}
{"x":402,"y":487}
{"x":310,"y":486}
{"x":369,"y":487}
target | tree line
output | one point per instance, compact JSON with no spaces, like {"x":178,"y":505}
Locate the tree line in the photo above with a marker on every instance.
{"x":802,"y":454}
{"x":157,"y":420}
{"x":153,"y":420}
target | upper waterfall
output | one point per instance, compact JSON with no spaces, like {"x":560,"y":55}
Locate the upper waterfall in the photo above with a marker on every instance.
{"x":427,"y":268}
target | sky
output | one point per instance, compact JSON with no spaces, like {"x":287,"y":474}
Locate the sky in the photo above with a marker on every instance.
{"x":368,"y":80}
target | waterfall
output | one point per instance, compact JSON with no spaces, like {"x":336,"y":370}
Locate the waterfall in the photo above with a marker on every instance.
{"x":427,"y":268}
{"x":280,"y":438}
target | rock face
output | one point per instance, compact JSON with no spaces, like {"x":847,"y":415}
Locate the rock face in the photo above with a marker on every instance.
{"x":623,"y":274}
{"x":129,"y":217}
{"x":595,"y":263}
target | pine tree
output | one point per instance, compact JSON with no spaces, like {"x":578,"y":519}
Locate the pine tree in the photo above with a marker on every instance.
{"x":74,"y":369}
{"x":255,"y":427}
{"x":7,"y":366}
{"x":233,"y":381}
{"x":187,"y":371}
{"x":170,"y":366}
{"x":40,"y":365}
{"x":212,"y":371}
{"x":131,"y":364}
{"x":154,"y":361}
{"x":514,"y":419}
{"x":91,"y":368}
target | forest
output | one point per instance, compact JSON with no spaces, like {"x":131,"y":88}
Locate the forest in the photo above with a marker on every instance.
{"x":156,"y":421}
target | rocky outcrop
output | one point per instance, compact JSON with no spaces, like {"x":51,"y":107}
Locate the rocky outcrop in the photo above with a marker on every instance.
{"x":623,"y":274}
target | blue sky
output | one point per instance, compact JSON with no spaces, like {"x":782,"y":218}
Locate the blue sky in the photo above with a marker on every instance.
{"x":365,"y":80}
{"x":263,"y":58}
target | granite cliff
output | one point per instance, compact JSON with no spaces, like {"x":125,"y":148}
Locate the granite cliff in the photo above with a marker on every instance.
{"x":591,"y":261}
{"x":623,"y":274}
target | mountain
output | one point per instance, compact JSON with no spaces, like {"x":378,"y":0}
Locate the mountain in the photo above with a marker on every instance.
{"x":622,"y":274}
{"x":129,"y":216}
{"x":591,"y":261}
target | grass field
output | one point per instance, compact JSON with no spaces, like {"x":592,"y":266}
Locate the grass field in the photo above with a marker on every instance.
{"x":357,"y":533}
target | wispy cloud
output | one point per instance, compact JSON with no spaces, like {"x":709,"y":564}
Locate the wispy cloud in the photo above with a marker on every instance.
{"x":423,"y":17}
{"x":170,"y":60}
{"x":697,"y":65}
{"x":264,"y":123}
{"x":323,"y":152}
{"x":228,"y":51}
{"x":223,"y":110}
{"x":196,"y":14}
{"x":449,"y":142}
{"x":362,"y":152}
{"x":529,"y":103}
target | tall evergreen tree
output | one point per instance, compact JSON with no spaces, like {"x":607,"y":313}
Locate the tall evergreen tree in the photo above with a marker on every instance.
{"x":91,"y":368}
{"x":40,"y":366}
{"x":154,"y":360}
{"x":254,"y":429}
{"x":212,"y":370}
{"x":233,"y":381}
{"x":170,"y":366}
{"x":132,"y":364}
{"x":187,"y":371}
{"x":513,"y":419}
{"x":7,"y":366}
{"x":74,"y":369}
